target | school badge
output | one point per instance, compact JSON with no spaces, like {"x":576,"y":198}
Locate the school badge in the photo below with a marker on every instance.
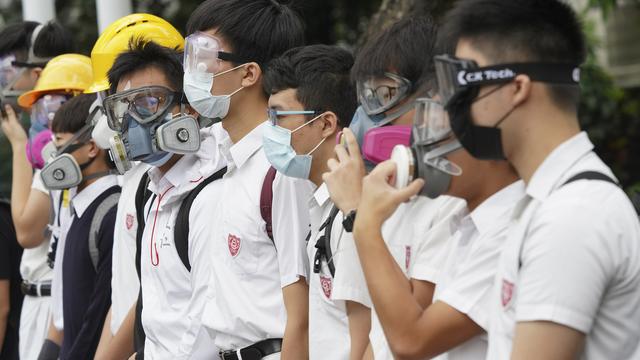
{"x":507,"y":292}
{"x":234,"y":243}
{"x":325,"y":282}
{"x":129,"y":221}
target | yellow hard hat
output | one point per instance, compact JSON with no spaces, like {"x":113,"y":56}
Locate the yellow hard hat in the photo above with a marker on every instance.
{"x":115,"y":40}
{"x":69,"y":73}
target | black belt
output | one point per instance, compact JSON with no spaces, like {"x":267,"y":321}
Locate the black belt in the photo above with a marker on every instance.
{"x":254,"y":352}
{"x":36,"y":289}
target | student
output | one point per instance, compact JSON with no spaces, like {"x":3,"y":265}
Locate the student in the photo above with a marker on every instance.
{"x":455,"y":320}
{"x":259,"y":292}
{"x":568,"y":281}
{"x":124,"y":280}
{"x":86,"y":269}
{"x":147,"y":79}
{"x":10,"y":295}
{"x":390,"y":74}
{"x":305,"y":78}
{"x":63,"y":77}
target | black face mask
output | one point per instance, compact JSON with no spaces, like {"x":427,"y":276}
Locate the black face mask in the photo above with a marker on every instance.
{"x":482,"y":142}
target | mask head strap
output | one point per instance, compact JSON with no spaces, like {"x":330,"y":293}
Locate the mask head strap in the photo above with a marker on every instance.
{"x":552,"y":73}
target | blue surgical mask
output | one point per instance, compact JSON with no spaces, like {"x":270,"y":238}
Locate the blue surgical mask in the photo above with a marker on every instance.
{"x":282,"y":156}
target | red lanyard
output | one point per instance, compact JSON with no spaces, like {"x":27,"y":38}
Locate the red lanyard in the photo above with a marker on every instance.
{"x":152,"y":245}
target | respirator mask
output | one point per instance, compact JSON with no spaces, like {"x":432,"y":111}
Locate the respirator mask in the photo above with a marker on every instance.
{"x":146,"y":129}
{"x":432,"y":140}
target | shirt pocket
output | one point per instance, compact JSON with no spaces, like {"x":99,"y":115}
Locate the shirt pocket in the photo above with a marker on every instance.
{"x":241,"y":247}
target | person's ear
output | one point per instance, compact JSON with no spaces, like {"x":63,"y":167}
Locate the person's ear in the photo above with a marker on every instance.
{"x":252,"y":74}
{"x":94,"y":150}
{"x":34,"y":74}
{"x":521,"y":91}
{"x":329,"y":123}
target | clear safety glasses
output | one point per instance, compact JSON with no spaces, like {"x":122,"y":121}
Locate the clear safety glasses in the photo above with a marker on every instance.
{"x":380,"y":93}
{"x":144,"y":105}
{"x":44,"y":109}
{"x":430,"y":123}
{"x":203,"y":53}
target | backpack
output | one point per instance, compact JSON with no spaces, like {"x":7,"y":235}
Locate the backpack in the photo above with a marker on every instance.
{"x":323,"y":244}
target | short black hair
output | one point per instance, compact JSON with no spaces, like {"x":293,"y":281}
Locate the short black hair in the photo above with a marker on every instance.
{"x":520,"y":31}
{"x":257,"y":30}
{"x":406,"y":49}
{"x":73,"y":114}
{"x":143,"y":54}
{"x":52,"y":40}
{"x":320,"y":75}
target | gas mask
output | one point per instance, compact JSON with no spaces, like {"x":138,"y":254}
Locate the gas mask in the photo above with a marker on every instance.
{"x":63,"y":171}
{"x":432,"y":139}
{"x":40,"y":148}
{"x":202,"y":56}
{"x":146,"y":129}
{"x":43,"y":111}
{"x":459,"y":82}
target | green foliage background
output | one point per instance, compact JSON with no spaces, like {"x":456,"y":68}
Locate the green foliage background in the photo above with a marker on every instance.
{"x":611,"y":115}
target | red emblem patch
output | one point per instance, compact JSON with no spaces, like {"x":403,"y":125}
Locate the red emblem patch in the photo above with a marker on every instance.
{"x":407,"y":257}
{"x":507,"y":292}
{"x":325,"y":282}
{"x":234,"y":245}
{"x":129,"y":221}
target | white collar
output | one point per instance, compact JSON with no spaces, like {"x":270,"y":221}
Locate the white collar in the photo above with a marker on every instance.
{"x":83,"y":199}
{"x":552,"y":169}
{"x":321,"y":195}
{"x":484,"y":217}
{"x":238,"y":153}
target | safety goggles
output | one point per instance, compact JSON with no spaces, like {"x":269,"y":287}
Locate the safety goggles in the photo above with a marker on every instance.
{"x":203,"y":53}
{"x":378,"y":94}
{"x":8,"y":72}
{"x":144,"y":105}
{"x":430,"y":123}
{"x":274,"y":114}
{"x":456,"y":75}
{"x":44,"y":109}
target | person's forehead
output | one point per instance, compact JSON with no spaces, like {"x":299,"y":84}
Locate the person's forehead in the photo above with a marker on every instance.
{"x":149,"y":76}
{"x":285,"y":99}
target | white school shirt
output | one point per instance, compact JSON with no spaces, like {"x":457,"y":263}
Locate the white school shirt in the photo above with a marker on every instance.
{"x":416,"y":236}
{"x":172,"y":296}
{"x":572,"y":257}
{"x":124,"y":276}
{"x":246,"y":304}
{"x":33,"y":264}
{"x":328,"y":322}
{"x":467,"y":274}
{"x":64,"y":217}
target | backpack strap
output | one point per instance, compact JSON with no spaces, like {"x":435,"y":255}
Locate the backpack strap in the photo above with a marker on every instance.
{"x":181,"y":228}
{"x":142,"y":196}
{"x":266,"y":200}
{"x":324,"y":244}
{"x":591,"y":175}
{"x":103,"y":208}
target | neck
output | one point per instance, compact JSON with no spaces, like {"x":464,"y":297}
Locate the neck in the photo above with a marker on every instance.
{"x":243,"y":119}
{"x":95,"y":168}
{"x":536,"y":142}
{"x":319,"y":162}
{"x":498,"y":177}
{"x":169,"y":164}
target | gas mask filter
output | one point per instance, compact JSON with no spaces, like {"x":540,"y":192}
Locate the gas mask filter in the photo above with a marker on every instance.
{"x":432,"y":139}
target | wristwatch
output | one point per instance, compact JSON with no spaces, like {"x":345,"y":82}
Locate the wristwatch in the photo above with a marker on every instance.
{"x":347,"y":221}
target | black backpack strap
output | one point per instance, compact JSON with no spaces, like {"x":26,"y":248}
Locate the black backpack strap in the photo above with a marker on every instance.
{"x":324,"y":244}
{"x":591,"y":175}
{"x":266,"y":200}
{"x":142,"y":196}
{"x":181,"y":228}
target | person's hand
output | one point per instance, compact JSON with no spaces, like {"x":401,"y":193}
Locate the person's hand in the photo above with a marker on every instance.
{"x":380,"y":198}
{"x":344,"y":179}
{"x":12,"y":128}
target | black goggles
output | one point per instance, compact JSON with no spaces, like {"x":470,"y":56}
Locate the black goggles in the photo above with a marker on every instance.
{"x":454,"y":74}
